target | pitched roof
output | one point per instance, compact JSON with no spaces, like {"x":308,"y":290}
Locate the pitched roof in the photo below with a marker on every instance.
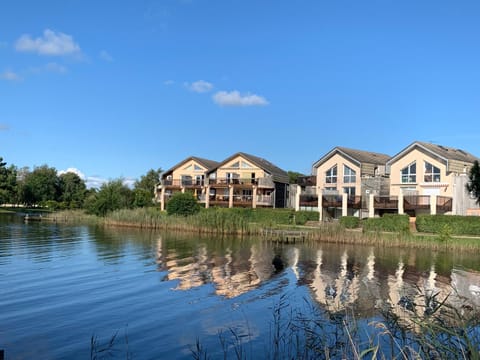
{"x":206,"y":163}
{"x":445,"y":152}
{"x":358,"y":156}
{"x":278,"y":174}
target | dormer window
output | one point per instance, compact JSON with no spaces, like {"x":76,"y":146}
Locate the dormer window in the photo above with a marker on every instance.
{"x":349,"y":175}
{"x":331,"y":175}
{"x":432,"y":173}
{"x":409,"y":173}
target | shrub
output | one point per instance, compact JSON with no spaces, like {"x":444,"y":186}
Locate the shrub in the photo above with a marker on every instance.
{"x":458,"y":225}
{"x":350,"y":222}
{"x":183,"y":204}
{"x":388,"y":222}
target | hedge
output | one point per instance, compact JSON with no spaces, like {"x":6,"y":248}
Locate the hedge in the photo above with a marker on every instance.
{"x":388,"y":222}
{"x":457,"y":225}
{"x":350,"y":222}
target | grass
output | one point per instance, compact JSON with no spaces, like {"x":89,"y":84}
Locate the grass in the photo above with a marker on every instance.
{"x":442,"y":332}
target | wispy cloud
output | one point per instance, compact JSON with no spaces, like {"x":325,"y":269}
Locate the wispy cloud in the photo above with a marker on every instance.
{"x":4,"y":127}
{"x":168,"y":82}
{"x":105,"y":56}
{"x":200,"y":86}
{"x":80,"y":174}
{"x":10,"y":76}
{"x":234,"y":98}
{"x":51,"y":43}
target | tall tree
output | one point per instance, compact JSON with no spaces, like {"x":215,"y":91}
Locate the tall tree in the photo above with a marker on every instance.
{"x":293,"y":176}
{"x":144,"y":188}
{"x":40,"y":185}
{"x":8,"y":183}
{"x":112,"y":195}
{"x":473,"y":186}
{"x":72,"y":190}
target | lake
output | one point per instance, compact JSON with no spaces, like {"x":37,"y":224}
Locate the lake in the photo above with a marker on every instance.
{"x":67,"y":291}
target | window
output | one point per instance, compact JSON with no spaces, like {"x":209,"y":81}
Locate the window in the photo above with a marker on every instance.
{"x":197,"y":168}
{"x":348,"y":175}
{"x":432,"y":173}
{"x":331,"y":175}
{"x":409,"y":174}
{"x":349,"y":190}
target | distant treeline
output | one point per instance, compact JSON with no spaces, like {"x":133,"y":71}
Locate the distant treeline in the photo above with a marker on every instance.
{"x":44,"y":187}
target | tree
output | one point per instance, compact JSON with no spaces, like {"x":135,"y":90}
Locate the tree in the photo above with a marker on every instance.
{"x":72,"y":190}
{"x":8,"y":183}
{"x":183,"y":204}
{"x":112,"y":195}
{"x":473,"y":186}
{"x":40,"y":185}
{"x":293,"y":176}
{"x":144,"y":188}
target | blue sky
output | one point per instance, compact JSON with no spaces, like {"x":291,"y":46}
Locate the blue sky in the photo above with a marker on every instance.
{"x":115,"y":88}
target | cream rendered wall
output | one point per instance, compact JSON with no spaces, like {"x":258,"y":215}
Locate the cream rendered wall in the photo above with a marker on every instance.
{"x":420,"y":186}
{"x":245,"y":173}
{"x":340,"y":161}
{"x":181,"y":170}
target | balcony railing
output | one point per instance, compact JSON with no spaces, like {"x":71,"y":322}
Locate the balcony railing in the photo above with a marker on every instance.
{"x":260,"y":182}
{"x":309,"y":200}
{"x":444,"y":203}
{"x":416,"y":202}
{"x":332,"y":201}
{"x":183,"y":183}
{"x":238,"y":200}
{"x":354,"y":202}
{"x":385,"y":202}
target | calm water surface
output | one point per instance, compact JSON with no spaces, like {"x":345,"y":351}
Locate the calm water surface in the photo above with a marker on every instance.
{"x":63,"y":285}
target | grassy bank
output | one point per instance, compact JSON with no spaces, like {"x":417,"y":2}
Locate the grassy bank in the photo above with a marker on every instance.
{"x":252,"y":222}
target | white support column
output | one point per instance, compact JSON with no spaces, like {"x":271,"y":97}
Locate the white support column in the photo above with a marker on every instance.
{"x":344,"y":204}
{"x":230,"y":196}
{"x":207,"y":197}
{"x":254,"y":197}
{"x":298,"y":191}
{"x":162,"y":198}
{"x":371,"y":207}
{"x":320,"y":206}
{"x":400,"y":203}
{"x":433,"y":204}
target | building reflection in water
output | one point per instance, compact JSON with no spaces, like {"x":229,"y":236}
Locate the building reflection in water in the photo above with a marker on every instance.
{"x":351,"y":278}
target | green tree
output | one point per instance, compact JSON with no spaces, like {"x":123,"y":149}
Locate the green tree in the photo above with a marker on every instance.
{"x":8,"y":183}
{"x":72,"y":190}
{"x":293,"y":176}
{"x":183,"y":204}
{"x":40,"y":185}
{"x":144,"y":188}
{"x":473,"y":186}
{"x":112,"y":195}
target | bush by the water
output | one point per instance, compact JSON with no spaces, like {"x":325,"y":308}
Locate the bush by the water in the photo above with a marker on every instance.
{"x":350,"y":222}
{"x":183,"y":204}
{"x":388,"y":222}
{"x":458,"y":225}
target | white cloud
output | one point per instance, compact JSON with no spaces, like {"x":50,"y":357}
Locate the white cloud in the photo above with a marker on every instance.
{"x":80,"y":174}
{"x":168,"y":82}
{"x":55,"y":67}
{"x":10,"y":76}
{"x":94,"y":182}
{"x":200,"y":86}
{"x":51,"y":43}
{"x":105,"y":56}
{"x":234,"y":98}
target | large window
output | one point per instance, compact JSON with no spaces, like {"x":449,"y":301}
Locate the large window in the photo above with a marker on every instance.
{"x":409,"y":173}
{"x":432,"y":173}
{"x":331,"y":175}
{"x":349,"y":190}
{"x":349,"y":175}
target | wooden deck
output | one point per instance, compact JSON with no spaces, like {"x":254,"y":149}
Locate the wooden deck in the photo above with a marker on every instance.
{"x":284,"y":236}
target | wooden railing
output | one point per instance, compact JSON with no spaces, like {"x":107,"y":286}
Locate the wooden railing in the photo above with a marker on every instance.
{"x":309,"y":200}
{"x":385,"y":202}
{"x":332,"y":201}
{"x":416,"y":202}
{"x":444,"y":203}
{"x":183,"y":183}
{"x":354,"y":202}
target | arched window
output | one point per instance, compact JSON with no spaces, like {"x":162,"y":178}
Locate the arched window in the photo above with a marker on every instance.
{"x":349,"y":175}
{"x":331,"y":175}
{"x":432,"y":173}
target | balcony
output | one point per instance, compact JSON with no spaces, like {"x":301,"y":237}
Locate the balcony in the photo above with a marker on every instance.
{"x":245,"y":183}
{"x":444,"y":204}
{"x":354,"y":202}
{"x":385,"y":202}
{"x":416,"y":202}
{"x":332,"y":201}
{"x":309,"y":200}
{"x":178,"y":183}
